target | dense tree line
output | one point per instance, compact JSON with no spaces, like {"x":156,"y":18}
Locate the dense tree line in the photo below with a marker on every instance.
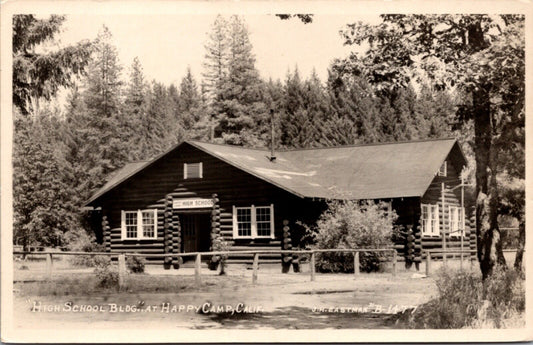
{"x":114,"y":114}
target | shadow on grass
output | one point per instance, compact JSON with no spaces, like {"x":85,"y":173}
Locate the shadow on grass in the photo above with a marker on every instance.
{"x":302,"y":318}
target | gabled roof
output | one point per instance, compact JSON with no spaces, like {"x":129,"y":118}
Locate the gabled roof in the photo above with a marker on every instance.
{"x":374,"y":171}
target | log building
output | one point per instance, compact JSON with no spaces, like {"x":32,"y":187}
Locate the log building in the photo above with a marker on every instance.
{"x":178,"y":201}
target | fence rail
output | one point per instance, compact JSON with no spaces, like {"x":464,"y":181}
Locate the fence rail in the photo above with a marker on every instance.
{"x":198,"y":258}
{"x":121,"y":256}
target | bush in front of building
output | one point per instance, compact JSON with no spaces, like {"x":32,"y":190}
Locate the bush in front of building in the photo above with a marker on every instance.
{"x":87,"y":244}
{"x":135,"y":264}
{"x":219,"y":245}
{"x":353,"y":225}
{"x":465,"y":301}
{"x":106,"y":274}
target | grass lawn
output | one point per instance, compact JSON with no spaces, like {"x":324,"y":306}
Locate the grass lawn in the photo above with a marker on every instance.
{"x":73,"y":299}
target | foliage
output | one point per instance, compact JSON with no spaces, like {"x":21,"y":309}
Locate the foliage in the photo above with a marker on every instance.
{"x":136,"y":264}
{"x":39,"y":74}
{"x":43,"y":214}
{"x":219,"y":245}
{"x":85,"y":243}
{"x":482,"y":56}
{"x":353,"y":225}
{"x":106,"y":273}
{"x":464,"y":300}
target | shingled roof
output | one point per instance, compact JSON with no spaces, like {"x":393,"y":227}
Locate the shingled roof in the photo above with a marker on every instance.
{"x":374,"y":171}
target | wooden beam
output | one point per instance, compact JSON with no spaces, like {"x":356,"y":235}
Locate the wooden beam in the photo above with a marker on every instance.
{"x":255,"y":268}
{"x":356,"y":264}
{"x":197,"y":269}
{"x":49,"y":265}
{"x":121,"y":270}
{"x":312,"y":268}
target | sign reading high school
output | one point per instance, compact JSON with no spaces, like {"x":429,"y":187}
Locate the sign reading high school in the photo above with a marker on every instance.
{"x":192,"y":203}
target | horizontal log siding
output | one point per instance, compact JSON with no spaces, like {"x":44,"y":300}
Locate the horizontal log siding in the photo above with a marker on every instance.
{"x":433,"y":195}
{"x":233,"y":187}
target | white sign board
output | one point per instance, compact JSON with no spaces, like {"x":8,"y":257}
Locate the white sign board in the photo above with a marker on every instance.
{"x":192,"y":203}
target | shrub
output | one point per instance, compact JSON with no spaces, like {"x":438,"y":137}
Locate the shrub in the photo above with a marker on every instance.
{"x":219,"y":245}
{"x":135,"y":264}
{"x":106,"y":274}
{"x":465,"y":301}
{"x":352,"y":224}
{"x":85,"y":244}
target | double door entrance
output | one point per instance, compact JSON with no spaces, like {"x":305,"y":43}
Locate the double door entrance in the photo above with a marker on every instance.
{"x":196,"y":232}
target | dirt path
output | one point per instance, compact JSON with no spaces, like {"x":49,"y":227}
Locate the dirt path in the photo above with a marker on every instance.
{"x":276,"y":302}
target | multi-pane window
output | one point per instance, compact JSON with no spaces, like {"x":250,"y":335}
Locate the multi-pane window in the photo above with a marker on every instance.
{"x":193,"y":170}
{"x":244,"y":221}
{"x":131,"y":224}
{"x":430,"y":220}
{"x":262,"y":217}
{"x":457,"y":221}
{"x":140,"y":224}
{"x":148,"y":223}
{"x":253,"y":222}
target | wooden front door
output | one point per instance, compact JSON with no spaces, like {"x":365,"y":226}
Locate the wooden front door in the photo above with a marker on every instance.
{"x":196,"y":232}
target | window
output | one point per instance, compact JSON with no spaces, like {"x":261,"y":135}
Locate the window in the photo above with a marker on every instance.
{"x":430,"y":220}
{"x":193,"y":170}
{"x":457,"y":221}
{"x":443,"y":171}
{"x":253,"y":222}
{"x":140,"y":224}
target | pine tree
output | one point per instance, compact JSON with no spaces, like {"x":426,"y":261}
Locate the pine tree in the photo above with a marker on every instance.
{"x":104,"y":126}
{"x":37,"y":73}
{"x":135,"y":108}
{"x":241,"y":92}
{"x":189,"y":101}
{"x":293,"y":103}
{"x":215,"y":63}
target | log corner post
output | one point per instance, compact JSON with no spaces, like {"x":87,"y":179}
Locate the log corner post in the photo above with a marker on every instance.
{"x":168,"y":245}
{"x":176,"y":240}
{"x":216,"y":260}
{"x":106,"y":233}
{"x":286,"y":259}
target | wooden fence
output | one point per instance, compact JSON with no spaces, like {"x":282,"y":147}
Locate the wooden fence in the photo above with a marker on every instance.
{"x":428,"y":255}
{"x":121,"y":257}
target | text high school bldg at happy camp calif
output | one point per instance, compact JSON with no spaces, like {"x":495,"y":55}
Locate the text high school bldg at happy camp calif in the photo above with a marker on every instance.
{"x":175,"y":202}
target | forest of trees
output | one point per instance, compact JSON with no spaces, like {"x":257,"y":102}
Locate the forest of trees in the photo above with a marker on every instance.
{"x":114,"y":115}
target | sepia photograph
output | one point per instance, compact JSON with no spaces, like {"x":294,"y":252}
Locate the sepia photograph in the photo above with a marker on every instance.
{"x":253,"y":171}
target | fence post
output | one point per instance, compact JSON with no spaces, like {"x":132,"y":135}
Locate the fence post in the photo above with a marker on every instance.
{"x":49,"y":266}
{"x":428,"y":263}
{"x":312,"y":268}
{"x":356,"y":264}
{"x":255,"y":267}
{"x":197,"y":267}
{"x":394,"y":262}
{"x":121,"y":270}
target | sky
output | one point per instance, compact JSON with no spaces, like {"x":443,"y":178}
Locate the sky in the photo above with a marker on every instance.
{"x":167,"y":44}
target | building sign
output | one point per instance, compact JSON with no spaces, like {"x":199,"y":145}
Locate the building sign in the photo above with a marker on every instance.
{"x":192,"y":203}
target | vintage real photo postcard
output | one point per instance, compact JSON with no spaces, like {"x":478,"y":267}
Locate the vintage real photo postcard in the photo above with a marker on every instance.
{"x":265,"y":171}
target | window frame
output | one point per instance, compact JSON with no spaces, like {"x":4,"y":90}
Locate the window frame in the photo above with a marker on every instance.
{"x":457,"y":225}
{"x":139,"y":226}
{"x":253,"y":221}
{"x":200,"y":170}
{"x":430,"y":225}
{"x":443,"y":170}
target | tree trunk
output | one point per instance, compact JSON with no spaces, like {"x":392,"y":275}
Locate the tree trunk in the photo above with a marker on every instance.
{"x":489,"y":249}
{"x":521,"y":245}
